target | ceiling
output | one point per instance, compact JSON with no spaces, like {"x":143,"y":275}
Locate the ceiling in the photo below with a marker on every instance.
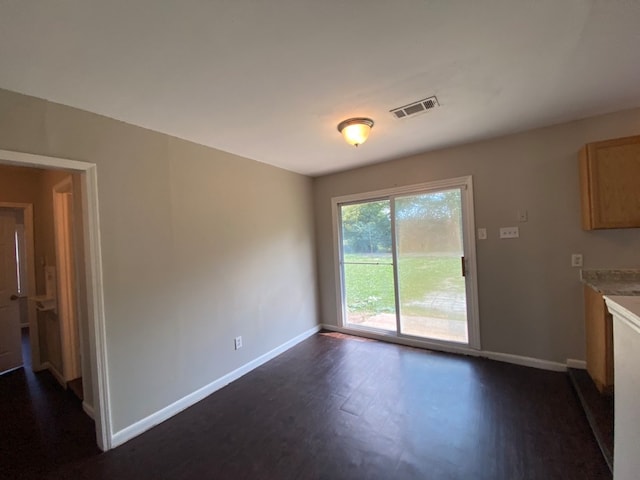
{"x":270,"y":80}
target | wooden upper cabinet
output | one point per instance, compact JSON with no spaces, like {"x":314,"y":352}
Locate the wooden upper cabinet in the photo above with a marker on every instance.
{"x":610,"y":183}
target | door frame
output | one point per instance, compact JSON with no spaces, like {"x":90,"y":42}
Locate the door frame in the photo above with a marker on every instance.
{"x":27,"y":213}
{"x":66,"y":250}
{"x":94,"y":283}
{"x":469,"y":242}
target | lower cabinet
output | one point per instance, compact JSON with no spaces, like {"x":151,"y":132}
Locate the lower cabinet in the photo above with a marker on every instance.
{"x":599,"y":333}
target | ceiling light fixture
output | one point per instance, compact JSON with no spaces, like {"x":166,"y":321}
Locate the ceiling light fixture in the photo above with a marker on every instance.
{"x":355,"y":130}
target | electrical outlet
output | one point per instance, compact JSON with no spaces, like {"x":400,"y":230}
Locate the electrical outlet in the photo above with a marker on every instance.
{"x":576,"y":260}
{"x":238,"y":342}
{"x":482,"y":234}
{"x":509,"y":232}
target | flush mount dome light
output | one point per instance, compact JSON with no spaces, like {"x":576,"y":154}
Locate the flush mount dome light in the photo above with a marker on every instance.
{"x":355,"y":130}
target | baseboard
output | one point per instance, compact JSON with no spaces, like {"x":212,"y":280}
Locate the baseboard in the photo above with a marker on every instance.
{"x":54,"y":371}
{"x":501,"y":357}
{"x":525,"y":361}
{"x":579,"y":364}
{"x":88,"y":409}
{"x":176,"y":407}
{"x":11,"y":370}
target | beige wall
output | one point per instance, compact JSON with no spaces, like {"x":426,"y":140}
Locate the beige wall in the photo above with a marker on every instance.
{"x":198,"y":246}
{"x":24,"y":185}
{"x":530,"y":297}
{"x":20,"y":184}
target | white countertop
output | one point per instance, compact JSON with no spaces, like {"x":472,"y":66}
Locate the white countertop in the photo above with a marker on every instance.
{"x":626,"y":307}
{"x":626,"y":358}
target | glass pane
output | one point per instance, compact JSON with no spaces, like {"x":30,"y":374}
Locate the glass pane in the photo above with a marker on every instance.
{"x":429,"y":250}
{"x":368,"y":265}
{"x":369,"y":294}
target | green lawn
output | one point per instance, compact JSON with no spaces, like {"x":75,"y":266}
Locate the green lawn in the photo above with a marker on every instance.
{"x":369,"y":288}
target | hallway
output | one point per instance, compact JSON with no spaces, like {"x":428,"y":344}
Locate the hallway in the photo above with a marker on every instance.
{"x":43,"y":426}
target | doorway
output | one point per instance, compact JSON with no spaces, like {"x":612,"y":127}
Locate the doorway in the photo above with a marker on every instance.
{"x":10,"y":312}
{"x":18,"y":275}
{"x":92,"y":281}
{"x":406,"y":263}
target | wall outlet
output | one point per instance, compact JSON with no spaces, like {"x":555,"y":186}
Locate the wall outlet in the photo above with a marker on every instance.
{"x":576,"y":260}
{"x":237,"y":342}
{"x":509,"y":232}
{"x":482,"y":234}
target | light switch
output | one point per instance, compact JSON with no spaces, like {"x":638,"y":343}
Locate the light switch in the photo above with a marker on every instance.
{"x":522,"y":216}
{"x":576,"y":260}
{"x":482,"y":234}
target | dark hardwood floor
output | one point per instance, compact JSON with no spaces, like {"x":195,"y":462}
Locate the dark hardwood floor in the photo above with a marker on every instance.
{"x":599,"y":411}
{"x":42,"y":426}
{"x":339,"y":407}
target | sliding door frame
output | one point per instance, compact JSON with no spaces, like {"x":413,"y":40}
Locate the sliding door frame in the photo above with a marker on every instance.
{"x":469,"y":245}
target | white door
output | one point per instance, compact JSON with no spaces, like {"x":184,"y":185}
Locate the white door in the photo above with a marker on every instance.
{"x":10,"y":337}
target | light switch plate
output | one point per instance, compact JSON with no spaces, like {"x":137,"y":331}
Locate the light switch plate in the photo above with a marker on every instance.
{"x":576,"y":260}
{"x":522,"y":216}
{"x":482,"y":234}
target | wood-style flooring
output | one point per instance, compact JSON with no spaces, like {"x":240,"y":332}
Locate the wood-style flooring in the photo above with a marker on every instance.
{"x":599,"y":411}
{"x":42,"y":426}
{"x":339,"y":407}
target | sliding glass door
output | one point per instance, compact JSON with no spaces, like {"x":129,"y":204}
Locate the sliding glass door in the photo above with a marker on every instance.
{"x":367,"y":264}
{"x":430,"y":253}
{"x":407,"y":264}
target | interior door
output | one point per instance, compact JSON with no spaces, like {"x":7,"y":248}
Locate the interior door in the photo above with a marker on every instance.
{"x":10,"y":336}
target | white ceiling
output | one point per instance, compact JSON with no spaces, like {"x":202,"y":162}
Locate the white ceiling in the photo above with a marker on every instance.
{"x":270,"y":80}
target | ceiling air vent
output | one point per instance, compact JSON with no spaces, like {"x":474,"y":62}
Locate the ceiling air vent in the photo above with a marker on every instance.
{"x":415,"y":108}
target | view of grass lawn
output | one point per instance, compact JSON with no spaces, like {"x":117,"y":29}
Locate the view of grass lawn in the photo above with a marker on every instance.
{"x":423,"y":281}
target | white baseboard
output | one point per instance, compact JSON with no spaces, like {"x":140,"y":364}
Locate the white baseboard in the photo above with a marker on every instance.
{"x":525,"y":361}
{"x":54,"y":371}
{"x":176,"y":407}
{"x":501,"y":357}
{"x":88,"y":409}
{"x":11,"y":370}
{"x":580,"y":364}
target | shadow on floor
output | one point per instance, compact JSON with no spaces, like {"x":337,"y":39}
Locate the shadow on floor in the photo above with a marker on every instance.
{"x":43,"y":425}
{"x":599,"y":411}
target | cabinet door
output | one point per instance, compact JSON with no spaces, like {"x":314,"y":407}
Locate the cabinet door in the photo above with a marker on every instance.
{"x":599,"y":333}
{"x":610,"y":182}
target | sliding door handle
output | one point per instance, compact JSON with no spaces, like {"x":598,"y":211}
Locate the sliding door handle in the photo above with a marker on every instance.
{"x":464,"y":267}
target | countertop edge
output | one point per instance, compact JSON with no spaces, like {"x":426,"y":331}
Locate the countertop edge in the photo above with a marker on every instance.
{"x":625,"y":308}
{"x":613,"y":282}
